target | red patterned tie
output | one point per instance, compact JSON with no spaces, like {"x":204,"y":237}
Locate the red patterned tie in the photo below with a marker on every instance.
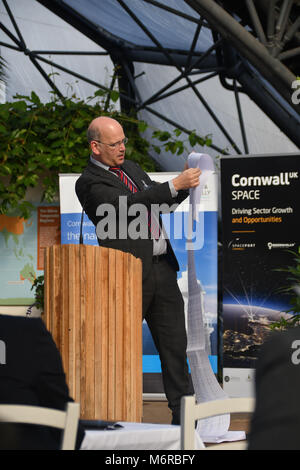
{"x":153,"y":225}
{"x":120,"y":173}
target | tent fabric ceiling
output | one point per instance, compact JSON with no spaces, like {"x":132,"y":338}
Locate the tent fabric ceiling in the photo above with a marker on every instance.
{"x":169,"y":32}
{"x":128,"y":28}
{"x":172,"y":31}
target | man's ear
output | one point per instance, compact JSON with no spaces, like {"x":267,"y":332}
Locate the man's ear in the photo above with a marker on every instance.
{"x":95,"y":148}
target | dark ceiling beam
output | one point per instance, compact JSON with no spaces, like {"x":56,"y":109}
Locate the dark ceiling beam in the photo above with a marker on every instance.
{"x":182,"y":88}
{"x":12,"y":19}
{"x":275,"y":107}
{"x":249,"y":47}
{"x":175,"y":12}
{"x":69,"y":53}
{"x":86,"y":27}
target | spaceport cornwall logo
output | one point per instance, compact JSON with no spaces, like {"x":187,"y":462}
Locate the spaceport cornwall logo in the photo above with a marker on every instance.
{"x":277,"y":245}
{"x":238,"y":244}
{"x":296,"y":94}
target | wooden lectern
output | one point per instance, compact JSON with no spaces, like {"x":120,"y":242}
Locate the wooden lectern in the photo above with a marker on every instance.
{"x":93,"y":308}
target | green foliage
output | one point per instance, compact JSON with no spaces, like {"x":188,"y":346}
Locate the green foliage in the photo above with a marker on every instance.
{"x":40,"y":140}
{"x":176,"y":146}
{"x":38,"y":287}
{"x":294,"y":279}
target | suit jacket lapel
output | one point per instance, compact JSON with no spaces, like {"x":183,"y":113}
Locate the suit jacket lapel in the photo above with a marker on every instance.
{"x":106,"y":176}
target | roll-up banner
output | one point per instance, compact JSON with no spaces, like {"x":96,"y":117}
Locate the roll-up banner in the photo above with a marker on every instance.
{"x":260,"y":226}
{"x":176,"y":225}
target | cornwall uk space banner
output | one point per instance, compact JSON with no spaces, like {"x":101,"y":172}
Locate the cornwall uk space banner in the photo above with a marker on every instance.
{"x":260,"y":225}
{"x":176,"y":226}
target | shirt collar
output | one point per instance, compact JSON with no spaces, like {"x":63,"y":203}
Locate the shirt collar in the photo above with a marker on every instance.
{"x":96,"y":162}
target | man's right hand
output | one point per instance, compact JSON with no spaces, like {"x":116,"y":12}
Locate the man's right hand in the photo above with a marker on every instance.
{"x":187,"y":179}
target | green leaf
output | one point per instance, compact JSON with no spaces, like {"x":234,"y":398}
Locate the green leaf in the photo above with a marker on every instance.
{"x":156,"y":149}
{"x":163,"y":136}
{"x":142,"y":126}
{"x":193,"y":139}
{"x":7,"y":170}
{"x":20,"y":106}
{"x":54,"y":135}
{"x":79,"y":123}
{"x":34,"y":98}
{"x":99,"y":93}
{"x":114,"y":95}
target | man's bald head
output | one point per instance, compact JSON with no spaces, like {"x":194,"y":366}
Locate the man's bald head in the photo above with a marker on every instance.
{"x":100,"y":126}
{"x":107,"y":141}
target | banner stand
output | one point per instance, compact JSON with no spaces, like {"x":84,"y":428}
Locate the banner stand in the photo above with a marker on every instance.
{"x":260,"y":218}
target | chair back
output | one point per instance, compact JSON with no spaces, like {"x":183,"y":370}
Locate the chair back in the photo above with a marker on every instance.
{"x":192,"y":411}
{"x":66,"y":420}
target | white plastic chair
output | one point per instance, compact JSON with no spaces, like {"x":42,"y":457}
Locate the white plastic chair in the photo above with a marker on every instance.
{"x":192,"y":411}
{"x":66,"y":420}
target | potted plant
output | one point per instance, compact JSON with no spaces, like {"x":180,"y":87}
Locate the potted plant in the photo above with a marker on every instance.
{"x":294,"y":291}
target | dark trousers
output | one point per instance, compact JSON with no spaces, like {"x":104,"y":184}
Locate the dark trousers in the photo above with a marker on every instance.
{"x":163,"y":309}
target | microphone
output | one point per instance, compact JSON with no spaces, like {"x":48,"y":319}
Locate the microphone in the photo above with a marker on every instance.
{"x":82,"y":213}
{"x":81,"y":222}
{"x":81,"y":225}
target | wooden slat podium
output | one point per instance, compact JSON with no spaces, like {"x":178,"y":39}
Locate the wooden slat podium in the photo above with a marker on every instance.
{"x":93,"y":308}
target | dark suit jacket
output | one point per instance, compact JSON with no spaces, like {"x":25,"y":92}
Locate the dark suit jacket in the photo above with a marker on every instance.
{"x":32,"y":375}
{"x":98,"y":186}
{"x":276,"y":419}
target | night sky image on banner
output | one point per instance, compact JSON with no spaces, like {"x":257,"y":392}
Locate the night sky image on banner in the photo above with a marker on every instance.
{"x":260,"y":214}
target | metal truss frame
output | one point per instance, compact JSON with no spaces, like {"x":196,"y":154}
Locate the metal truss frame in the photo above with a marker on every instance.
{"x":263,"y":48}
{"x":220,"y":60}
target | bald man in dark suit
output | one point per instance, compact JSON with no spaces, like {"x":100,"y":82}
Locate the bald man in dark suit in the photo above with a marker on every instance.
{"x":110,"y":180}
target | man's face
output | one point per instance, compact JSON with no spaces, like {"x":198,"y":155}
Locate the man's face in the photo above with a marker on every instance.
{"x":111,"y":149}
